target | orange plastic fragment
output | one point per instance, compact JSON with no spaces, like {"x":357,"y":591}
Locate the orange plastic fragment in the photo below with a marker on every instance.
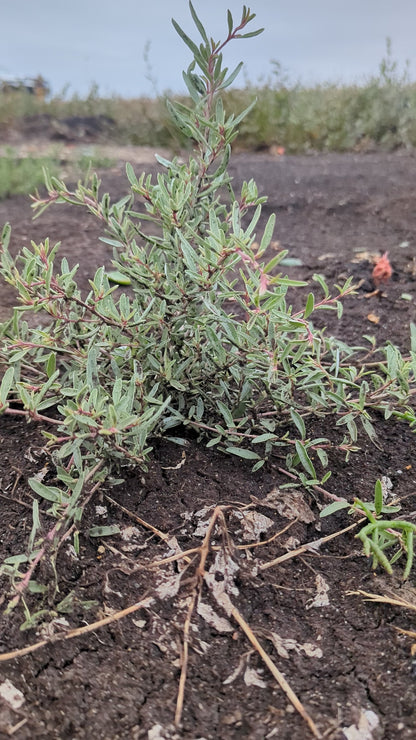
{"x":382,"y":270}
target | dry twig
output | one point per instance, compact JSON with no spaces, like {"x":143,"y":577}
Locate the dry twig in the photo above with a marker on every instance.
{"x":222,"y":599}
{"x":225,"y":602}
{"x":200,"y":572}
{"x":309,"y":546}
{"x":78,"y":631}
{"x":232,"y":611}
{"x":381,"y":599}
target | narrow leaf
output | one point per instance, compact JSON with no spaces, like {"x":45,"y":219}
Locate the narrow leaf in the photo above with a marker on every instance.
{"x":131,"y":175}
{"x":378,"y":497}
{"x":268,"y":232}
{"x":310,"y":305}
{"x":198,"y":24}
{"x":263,"y":438}
{"x":334,"y":507}
{"x":241,"y":452}
{"x":298,"y":422}
{"x":250,"y":34}
{"x":104,"y":531}
{"x":117,"y":277}
{"x":50,"y":493}
{"x":226,"y":414}
{"x":50,"y":365}
{"x":305,"y":459}
{"x":231,"y":77}
{"x":190,"y":44}
{"x":6,"y":384}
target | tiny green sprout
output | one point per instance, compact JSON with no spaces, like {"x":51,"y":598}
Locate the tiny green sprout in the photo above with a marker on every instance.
{"x":379,"y":534}
{"x":378,"y":498}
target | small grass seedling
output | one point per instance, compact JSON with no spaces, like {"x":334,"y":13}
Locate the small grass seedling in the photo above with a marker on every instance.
{"x":380,"y":535}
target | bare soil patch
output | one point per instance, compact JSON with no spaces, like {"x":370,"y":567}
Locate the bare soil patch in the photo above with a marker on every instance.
{"x":341,"y":655}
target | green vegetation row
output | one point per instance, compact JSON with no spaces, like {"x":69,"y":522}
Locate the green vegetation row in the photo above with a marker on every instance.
{"x":381,"y":112}
{"x":23,"y":174}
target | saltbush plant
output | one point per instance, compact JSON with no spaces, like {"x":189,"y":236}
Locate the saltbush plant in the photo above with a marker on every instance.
{"x":197,"y":333}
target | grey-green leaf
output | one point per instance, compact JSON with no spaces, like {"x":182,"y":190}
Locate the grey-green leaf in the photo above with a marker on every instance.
{"x":105,"y":531}
{"x":305,"y":459}
{"x":241,"y":452}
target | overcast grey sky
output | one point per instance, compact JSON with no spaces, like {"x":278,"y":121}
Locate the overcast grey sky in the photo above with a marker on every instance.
{"x":80,"y":42}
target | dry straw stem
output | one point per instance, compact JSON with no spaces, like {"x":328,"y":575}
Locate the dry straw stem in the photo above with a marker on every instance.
{"x":162,"y":535}
{"x":183,"y":555}
{"x":309,"y":546}
{"x":17,"y":726}
{"x":318,"y":489}
{"x":381,"y":599}
{"x":232,"y":611}
{"x":409,"y":633}
{"x":225,"y":602}
{"x":251,"y":545}
{"x":204,"y":551}
{"x":78,"y":631}
{"x":16,"y":501}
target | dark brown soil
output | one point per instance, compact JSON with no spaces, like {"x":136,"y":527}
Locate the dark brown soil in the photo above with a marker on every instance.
{"x":349,"y":667}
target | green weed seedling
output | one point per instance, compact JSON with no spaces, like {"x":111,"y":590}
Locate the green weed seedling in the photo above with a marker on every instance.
{"x":380,"y":535}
